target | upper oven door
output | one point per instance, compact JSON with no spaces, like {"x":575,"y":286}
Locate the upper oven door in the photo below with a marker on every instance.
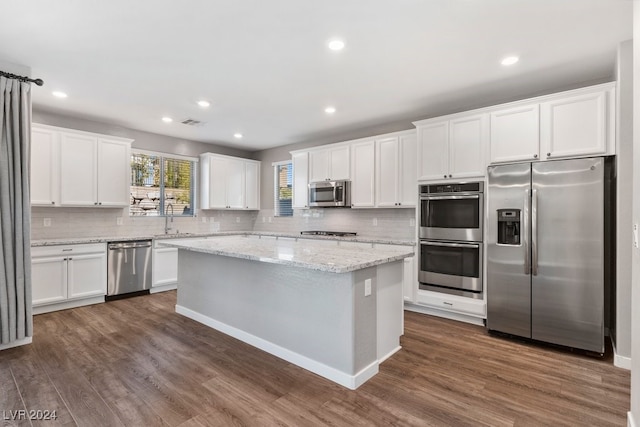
{"x":452,"y":216}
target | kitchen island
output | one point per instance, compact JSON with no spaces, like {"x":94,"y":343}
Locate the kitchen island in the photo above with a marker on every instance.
{"x":334,"y":310}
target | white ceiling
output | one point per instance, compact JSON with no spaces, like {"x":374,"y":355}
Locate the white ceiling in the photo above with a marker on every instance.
{"x":266,"y":69}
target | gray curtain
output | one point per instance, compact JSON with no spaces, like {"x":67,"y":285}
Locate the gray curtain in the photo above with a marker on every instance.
{"x":16,"y":321}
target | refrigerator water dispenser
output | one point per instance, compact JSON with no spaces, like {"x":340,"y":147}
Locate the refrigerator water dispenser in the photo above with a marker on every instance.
{"x":509,"y":227}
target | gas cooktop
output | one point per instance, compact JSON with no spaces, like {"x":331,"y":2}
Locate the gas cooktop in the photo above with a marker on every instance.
{"x":327,"y":233}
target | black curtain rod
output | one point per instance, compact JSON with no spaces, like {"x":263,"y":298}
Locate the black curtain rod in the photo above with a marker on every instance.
{"x":39,"y":82}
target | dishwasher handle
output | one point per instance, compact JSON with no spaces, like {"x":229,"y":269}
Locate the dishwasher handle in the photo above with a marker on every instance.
{"x":129,"y":245}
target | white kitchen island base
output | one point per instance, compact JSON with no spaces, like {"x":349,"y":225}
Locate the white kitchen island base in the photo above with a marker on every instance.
{"x":319,"y":320}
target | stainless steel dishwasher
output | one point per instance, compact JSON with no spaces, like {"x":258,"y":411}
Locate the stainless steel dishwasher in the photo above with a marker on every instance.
{"x":128,"y":268}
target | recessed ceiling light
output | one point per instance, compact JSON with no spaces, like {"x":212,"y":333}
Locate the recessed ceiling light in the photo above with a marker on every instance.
{"x":336,"y":45}
{"x":59,"y":94}
{"x":237,"y":135}
{"x":509,"y":60}
{"x":167,"y":119}
{"x":204,"y":104}
{"x":330,"y":110}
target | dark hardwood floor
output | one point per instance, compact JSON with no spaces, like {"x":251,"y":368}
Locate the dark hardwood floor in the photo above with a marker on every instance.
{"x":136,"y":362}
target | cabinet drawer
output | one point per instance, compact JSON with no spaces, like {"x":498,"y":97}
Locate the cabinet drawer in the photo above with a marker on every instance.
{"x":46,"y":251}
{"x":451,"y":303}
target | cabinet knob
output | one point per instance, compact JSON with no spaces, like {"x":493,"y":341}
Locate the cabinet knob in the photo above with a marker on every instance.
{"x":100,"y":203}
{"x":445,"y":176}
{"x":535,"y":156}
{"x":449,"y":175}
{"x":53,"y":203}
{"x":548,"y":154}
{"x":399,"y":204}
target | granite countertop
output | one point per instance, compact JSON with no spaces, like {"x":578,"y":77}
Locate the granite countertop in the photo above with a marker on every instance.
{"x":297,"y":236}
{"x":305,"y":253}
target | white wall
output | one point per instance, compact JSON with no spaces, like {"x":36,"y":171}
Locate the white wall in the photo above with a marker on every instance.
{"x":634,"y":415}
{"x":621,"y":324}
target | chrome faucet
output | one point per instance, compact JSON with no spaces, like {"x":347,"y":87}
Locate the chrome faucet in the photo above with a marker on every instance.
{"x":166,"y":218}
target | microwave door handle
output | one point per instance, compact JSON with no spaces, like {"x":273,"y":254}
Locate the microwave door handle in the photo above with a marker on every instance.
{"x":525,"y":233}
{"x":451,"y":245}
{"x":335,"y":193}
{"x":456,"y":197}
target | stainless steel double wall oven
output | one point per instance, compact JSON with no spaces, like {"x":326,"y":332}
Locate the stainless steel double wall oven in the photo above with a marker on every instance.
{"x":451,"y":231}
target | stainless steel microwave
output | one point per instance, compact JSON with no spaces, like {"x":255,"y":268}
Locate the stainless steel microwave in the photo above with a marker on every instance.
{"x":330,"y":194}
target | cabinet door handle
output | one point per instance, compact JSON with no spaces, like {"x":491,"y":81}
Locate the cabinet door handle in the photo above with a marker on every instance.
{"x":95,"y":203}
{"x":548,"y":154}
{"x":445,"y":176}
{"x":399,"y":203}
{"x":449,"y":175}
{"x":53,"y":203}
{"x":100,"y":203}
{"x":535,"y":156}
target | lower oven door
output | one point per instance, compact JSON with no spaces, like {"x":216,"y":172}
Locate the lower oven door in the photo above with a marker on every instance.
{"x":453,"y":265}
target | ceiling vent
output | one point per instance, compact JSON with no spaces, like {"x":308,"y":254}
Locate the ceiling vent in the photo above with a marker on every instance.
{"x":192,"y":122}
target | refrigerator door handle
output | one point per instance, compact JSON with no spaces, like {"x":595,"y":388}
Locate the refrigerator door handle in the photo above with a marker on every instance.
{"x":534,"y":232}
{"x":525,"y":233}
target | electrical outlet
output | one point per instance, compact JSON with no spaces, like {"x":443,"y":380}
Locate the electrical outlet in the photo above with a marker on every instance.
{"x":119,"y":220}
{"x":204,"y":219}
{"x":412,"y":222}
{"x":635,"y":235}
{"x":270,"y":219}
{"x":47,"y":222}
{"x":367,"y":287}
{"x":214,"y":226}
{"x":375,"y":222}
{"x":237,"y":219}
{"x":264,"y":219}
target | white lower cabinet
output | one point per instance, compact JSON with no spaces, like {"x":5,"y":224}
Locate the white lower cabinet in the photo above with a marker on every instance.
{"x":165,"y":268}
{"x":68,"y":276}
{"x":409,"y":282}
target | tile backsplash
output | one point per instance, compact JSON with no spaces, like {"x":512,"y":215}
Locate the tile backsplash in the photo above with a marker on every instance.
{"x":104,"y":222}
{"x":396,"y":224}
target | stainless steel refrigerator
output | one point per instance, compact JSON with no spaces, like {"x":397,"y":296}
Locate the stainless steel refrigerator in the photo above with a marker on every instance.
{"x":547,"y":256}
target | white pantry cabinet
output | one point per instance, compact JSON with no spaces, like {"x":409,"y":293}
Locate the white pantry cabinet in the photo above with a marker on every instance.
{"x":68,"y":276}
{"x":229,"y":182}
{"x":453,"y":148}
{"x":396,"y":175}
{"x":577,"y":123}
{"x":329,"y":164}
{"x":75,"y":168}
{"x":300,"y":161}
{"x":363,"y":174}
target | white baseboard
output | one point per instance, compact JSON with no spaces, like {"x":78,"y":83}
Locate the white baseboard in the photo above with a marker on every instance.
{"x":16,"y":343}
{"x":619,"y":361}
{"x":163,"y":288}
{"x":630,"y":420}
{"x":67,"y":304}
{"x":344,"y":379}
{"x":388,"y":355}
{"x":445,"y":314}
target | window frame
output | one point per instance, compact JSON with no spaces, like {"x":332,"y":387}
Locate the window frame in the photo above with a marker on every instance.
{"x":194,"y":181}
{"x":276,"y":193}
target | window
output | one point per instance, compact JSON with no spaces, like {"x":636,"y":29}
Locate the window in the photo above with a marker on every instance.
{"x":283,"y":179}
{"x":161,"y":184}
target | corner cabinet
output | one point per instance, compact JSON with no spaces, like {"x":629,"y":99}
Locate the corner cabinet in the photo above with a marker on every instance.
{"x":453,"y":148}
{"x":229,"y":182}
{"x":577,"y":123}
{"x":68,"y":276}
{"x":75,"y":168}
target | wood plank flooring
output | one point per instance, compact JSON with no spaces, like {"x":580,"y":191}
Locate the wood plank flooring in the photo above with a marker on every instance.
{"x":136,"y":362}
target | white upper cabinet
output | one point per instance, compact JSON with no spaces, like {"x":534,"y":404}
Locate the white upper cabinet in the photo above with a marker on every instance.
{"x":229,"y":182}
{"x":570,"y":124}
{"x":113,"y":172}
{"x":452,"y":148}
{"x":574,"y":126}
{"x":396,"y":170}
{"x":363,"y":174}
{"x":300,"y":161}
{"x":75,"y":168}
{"x":515,"y":134}
{"x":329,"y":164}
{"x":252,"y":185}
{"x":45,"y":167}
